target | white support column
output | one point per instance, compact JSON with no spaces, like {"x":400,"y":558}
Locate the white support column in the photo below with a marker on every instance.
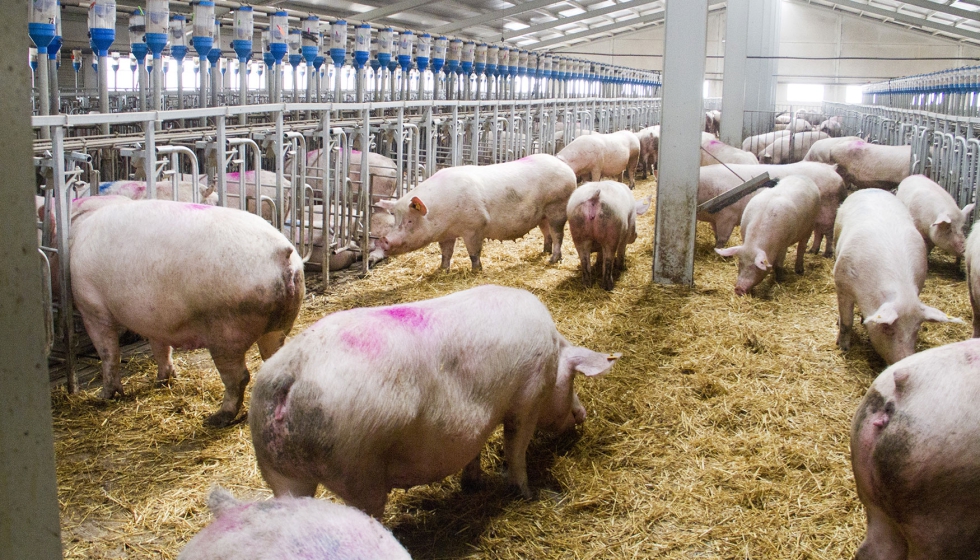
{"x":733,"y":88}
{"x":685,"y":36}
{"x":29,"y":525}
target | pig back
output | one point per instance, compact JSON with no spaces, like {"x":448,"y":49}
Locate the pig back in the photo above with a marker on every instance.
{"x":400,"y":389}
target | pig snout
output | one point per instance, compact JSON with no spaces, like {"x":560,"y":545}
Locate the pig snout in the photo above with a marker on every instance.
{"x":383,"y":245}
{"x":741,"y":290}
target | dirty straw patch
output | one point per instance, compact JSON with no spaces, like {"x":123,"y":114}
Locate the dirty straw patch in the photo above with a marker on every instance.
{"x":722,"y":433}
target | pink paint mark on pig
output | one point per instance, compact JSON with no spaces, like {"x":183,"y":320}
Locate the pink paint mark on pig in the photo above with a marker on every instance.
{"x":407,"y":316}
{"x":714,"y":143}
{"x":236,"y":175}
{"x":192,"y":206}
{"x":362,"y":340}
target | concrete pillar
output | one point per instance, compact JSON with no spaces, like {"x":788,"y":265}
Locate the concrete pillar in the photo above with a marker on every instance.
{"x":733,"y":89}
{"x":29,"y":526}
{"x":762,"y":46}
{"x":685,"y":34}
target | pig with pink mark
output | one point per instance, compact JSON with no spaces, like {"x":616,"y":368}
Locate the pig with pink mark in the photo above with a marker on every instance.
{"x":915,"y":451}
{"x":714,"y":151}
{"x":773,"y":220}
{"x":595,"y":156}
{"x":290,"y":528}
{"x":372,"y":399}
{"x":718,"y":179}
{"x":881,"y":267}
{"x":142,"y":266}
{"x":502,"y":201}
{"x":136,"y":190}
{"x":602,"y":218}
{"x":267,"y":189}
{"x":936,"y":215}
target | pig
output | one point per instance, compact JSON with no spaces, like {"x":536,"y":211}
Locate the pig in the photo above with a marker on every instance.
{"x":833,"y":126}
{"x":712,"y":122}
{"x":595,"y":156}
{"x":382,"y":170}
{"x":186,"y":276}
{"x":973,"y":276}
{"x":649,"y":149}
{"x":791,"y":149}
{"x":881,"y":267}
{"x":935,"y":213}
{"x":773,"y":220}
{"x":502,"y":201}
{"x":715,"y":151}
{"x":866,"y":165}
{"x":820,"y":150}
{"x":267,"y":182}
{"x":372,"y":399}
{"x":717,"y":179}
{"x":757,"y":144}
{"x":602,"y":217}
{"x":792,"y":124}
{"x":915,"y":452}
{"x":289,"y":528}
{"x":136,"y":190}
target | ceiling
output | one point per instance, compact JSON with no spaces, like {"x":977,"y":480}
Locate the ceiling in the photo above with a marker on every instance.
{"x":551,"y":24}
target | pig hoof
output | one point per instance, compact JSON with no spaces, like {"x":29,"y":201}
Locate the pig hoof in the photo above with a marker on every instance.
{"x":555,"y":258}
{"x":219,"y":419}
{"x":829,"y":254}
{"x":110,"y":391}
{"x":798,"y":270}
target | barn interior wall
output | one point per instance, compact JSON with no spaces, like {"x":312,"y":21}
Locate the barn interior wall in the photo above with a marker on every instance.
{"x":807,"y":31}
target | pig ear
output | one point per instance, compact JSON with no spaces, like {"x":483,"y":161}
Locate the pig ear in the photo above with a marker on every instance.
{"x":936,"y":316}
{"x":967,"y":209}
{"x":729,"y":251}
{"x":884,"y":315}
{"x":591,"y":363}
{"x":942,"y":219}
{"x":761,"y":260}
{"x":386,"y":204}
{"x":220,"y":501}
{"x":417,"y":204}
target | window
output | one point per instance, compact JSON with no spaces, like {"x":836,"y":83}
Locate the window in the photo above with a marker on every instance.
{"x":853,"y":94}
{"x":805,"y":93}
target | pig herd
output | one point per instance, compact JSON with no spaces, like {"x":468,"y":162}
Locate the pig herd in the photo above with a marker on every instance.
{"x":372,"y":399}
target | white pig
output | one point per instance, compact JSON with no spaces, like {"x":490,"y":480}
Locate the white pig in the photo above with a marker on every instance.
{"x":820,"y":150}
{"x":973,"y":276}
{"x":790,"y":149}
{"x":773,"y":220}
{"x":595,"y":156}
{"x":372,"y":399}
{"x":870,"y":165}
{"x":915,"y":451}
{"x":290,"y":528}
{"x":714,"y":151}
{"x":185,"y":276}
{"x":757,"y":144}
{"x":602,"y":217}
{"x":717,"y":179}
{"x":649,"y":149}
{"x":136,"y":190}
{"x":935,"y":213}
{"x":881,"y":267}
{"x":502,"y":201}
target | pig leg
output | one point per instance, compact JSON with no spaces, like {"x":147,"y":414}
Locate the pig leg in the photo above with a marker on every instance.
{"x":975,"y":304}
{"x":234,"y":374}
{"x":585,"y":256}
{"x":270,"y":342}
{"x":800,"y":251}
{"x":817,"y":238}
{"x":608,"y":263}
{"x":778,"y":268}
{"x":447,"y":248}
{"x":631,"y":171}
{"x":282,"y":485}
{"x":845,"y":308}
{"x":163,"y":356}
{"x":724,"y":225}
{"x":828,"y":251}
{"x":556,"y":223}
{"x":546,"y":232}
{"x":474,"y":246}
{"x":105,"y":336}
{"x":517,"y":436}
{"x":596,"y":174}
{"x":472,"y":475}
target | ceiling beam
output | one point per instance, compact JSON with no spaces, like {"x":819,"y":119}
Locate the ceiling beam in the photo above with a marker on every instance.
{"x":391,"y":9}
{"x":649,"y":18}
{"x":493,"y":16}
{"x":907,"y":19}
{"x":578,"y":17}
{"x":943,"y":8}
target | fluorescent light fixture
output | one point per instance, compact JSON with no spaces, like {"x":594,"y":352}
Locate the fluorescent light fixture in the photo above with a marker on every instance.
{"x":515,"y":25}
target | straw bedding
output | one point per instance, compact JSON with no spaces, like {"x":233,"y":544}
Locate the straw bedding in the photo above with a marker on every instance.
{"x":722,"y":432}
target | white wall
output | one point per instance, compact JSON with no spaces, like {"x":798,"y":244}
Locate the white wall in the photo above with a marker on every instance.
{"x":807,"y":31}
